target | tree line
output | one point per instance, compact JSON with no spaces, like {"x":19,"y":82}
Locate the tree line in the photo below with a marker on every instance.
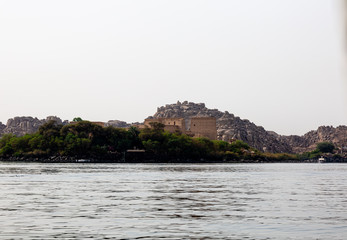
{"x":84,"y":139}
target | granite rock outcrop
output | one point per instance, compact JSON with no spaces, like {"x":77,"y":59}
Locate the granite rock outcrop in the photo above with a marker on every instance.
{"x":20,"y":126}
{"x":117,"y":124}
{"x":307,"y":142}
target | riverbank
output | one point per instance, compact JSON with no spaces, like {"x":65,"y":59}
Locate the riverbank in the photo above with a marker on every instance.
{"x":88,"y":142}
{"x":68,"y":159}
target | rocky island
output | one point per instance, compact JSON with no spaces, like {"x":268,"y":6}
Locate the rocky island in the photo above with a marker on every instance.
{"x":229,"y":129}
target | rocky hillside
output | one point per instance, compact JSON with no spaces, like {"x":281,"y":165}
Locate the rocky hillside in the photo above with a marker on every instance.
{"x":231,"y":127}
{"x":308,"y":142}
{"x":22,"y":125}
{"x":2,"y":127}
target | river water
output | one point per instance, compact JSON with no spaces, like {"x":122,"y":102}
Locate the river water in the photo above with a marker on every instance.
{"x":173,"y":201}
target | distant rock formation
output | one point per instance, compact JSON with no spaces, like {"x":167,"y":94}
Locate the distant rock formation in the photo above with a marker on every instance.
{"x":2,"y":127}
{"x":117,"y":124}
{"x":307,"y":142}
{"x":230,"y":127}
{"x":22,"y":125}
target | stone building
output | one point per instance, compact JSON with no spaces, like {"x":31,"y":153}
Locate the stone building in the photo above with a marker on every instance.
{"x":203,"y":127}
{"x":195,"y":126}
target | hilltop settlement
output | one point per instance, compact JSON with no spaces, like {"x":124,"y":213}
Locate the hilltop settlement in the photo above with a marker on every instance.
{"x":180,"y":132}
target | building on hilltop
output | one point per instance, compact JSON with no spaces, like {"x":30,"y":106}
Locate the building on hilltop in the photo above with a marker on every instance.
{"x":194,"y":127}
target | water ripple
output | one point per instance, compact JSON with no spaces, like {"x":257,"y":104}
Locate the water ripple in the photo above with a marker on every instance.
{"x":149,"y":201}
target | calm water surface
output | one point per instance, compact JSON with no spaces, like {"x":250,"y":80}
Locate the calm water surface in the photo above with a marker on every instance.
{"x":143,"y":201}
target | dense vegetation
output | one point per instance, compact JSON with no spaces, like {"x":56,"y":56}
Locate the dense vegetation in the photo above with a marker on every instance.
{"x":322,"y":148}
{"x":83,"y":139}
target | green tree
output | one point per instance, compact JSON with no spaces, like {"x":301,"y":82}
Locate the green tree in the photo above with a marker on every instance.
{"x":133,"y":134}
{"x":50,"y":140}
{"x":5,"y":146}
{"x":5,"y":139}
{"x":325,"y":147}
{"x":77,"y":119}
{"x":155,"y":132}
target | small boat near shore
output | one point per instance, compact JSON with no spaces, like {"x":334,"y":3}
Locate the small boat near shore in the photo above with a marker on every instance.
{"x":82,"y":160}
{"x":321,"y":160}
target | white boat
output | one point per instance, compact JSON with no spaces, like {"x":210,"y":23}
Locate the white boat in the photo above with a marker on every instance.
{"x":321,"y":160}
{"x":82,"y":160}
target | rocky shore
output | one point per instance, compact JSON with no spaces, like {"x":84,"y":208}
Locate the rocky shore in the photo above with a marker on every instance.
{"x":58,"y":159}
{"x":67,"y":159}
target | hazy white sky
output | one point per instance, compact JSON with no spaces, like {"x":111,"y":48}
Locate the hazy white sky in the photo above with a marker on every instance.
{"x":277,"y":63}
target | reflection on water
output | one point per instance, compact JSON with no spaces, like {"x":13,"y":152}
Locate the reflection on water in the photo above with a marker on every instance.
{"x":148,"y":201}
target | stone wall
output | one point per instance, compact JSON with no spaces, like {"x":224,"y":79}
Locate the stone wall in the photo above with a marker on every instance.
{"x":197,"y":127}
{"x":204,"y":127}
{"x":171,"y":124}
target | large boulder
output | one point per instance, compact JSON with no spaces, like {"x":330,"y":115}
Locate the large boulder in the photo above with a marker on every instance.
{"x":117,"y":124}
{"x":20,"y":126}
{"x":2,"y":127}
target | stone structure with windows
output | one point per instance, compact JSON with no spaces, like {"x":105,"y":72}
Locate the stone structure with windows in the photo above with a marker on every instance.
{"x":195,"y":126}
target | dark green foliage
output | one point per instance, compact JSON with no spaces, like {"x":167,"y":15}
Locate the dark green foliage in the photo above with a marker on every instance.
{"x":5,"y":145}
{"x":157,"y":127}
{"x":83,"y":139}
{"x":238,"y":144}
{"x":133,"y":136}
{"x":77,"y":119}
{"x":325,"y":147}
{"x":48,"y":138}
{"x":221,"y":146}
{"x":166,"y":145}
{"x":322,"y":147}
{"x":309,"y":155}
{"x":278,"y":157}
{"x":80,"y":139}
